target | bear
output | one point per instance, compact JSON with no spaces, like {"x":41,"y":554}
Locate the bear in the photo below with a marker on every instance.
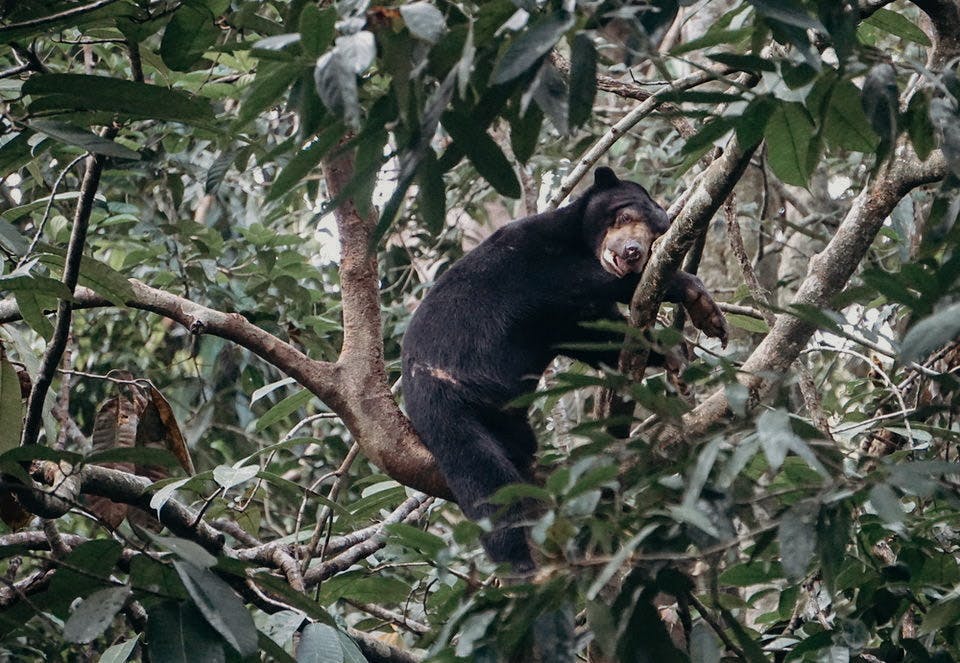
{"x":490,"y":325}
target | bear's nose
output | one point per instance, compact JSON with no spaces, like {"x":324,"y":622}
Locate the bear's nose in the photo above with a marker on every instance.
{"x":632,"y":251}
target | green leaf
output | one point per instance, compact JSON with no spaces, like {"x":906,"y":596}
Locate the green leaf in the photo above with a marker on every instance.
{"x":16,"y":282}
{"x":897,"y":24}
{"x":351,"y":652}
{"x":424,"y":21}
{"x":317,"y":29}
{"x":99,"y":277}
{"x":188,"y":550}
{"x":89,"y":141}
{"x":177,"y":633}
{"x":788,"y":12}
{"x":708,"y":133}
{"x":413,"y":537}
{"x":529,"y":47}
{"x":269,"y":85}
{"x":739,"y":62}
{"x":32,"y":305}
{"x":751,"y":573}
{"x":16,"y":152}
{"x":80,"y":92}
{"x":220,"y":606}
{"x":751,"y":650}
{"x":86,"y":569}
{"x":747,"y":323}
{"x":95,"y":613}
{"x":880,"y":100}
{"x":306,"y":160}
{"x":712,"y":38}
{"x":846,"y":125}
{"x":431,"y":194}
{"x":833,"y":535}
{"x":190,"y":33}
{"x":583,"y":79}
{"x":139,"y":455}
{"x":11,"y":406}
{"x":485,"y":155}
{"x":930,"y":333}
{"x":284,"y":408}
{"x":797,"y":535}
{"x":120,"y":652}
{"x":919,"y":126}
{"x":788,"y":135}
{"x":524,"y":133}
{"x":319,"y":643}
{"x":942,"y":615}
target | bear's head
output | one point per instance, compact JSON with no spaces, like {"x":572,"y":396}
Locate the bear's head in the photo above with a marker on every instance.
{"x":620,"y":223}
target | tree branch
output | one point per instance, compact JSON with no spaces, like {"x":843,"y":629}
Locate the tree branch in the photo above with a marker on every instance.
{"x":71,"y":273}
{"x":827,"y":275}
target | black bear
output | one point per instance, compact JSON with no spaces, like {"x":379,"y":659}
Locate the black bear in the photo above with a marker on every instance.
{"x":492,"y":323}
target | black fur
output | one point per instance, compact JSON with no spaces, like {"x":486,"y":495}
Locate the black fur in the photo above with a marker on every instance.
{"x":490,"y":326}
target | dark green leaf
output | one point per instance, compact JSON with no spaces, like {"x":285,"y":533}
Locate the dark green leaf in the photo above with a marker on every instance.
{"x":788,"y":12}
{"x":527,"y":48}
{"x":317,"y":29}
{"x":319,"y":643}
{"x":31,"y":305}
{"x":833,"y":536}
{"x":154,"y":456}
{"x":897,"y":24}
{"x":747,"y":323}
{"x":583,"y":80}
{"x":412,"y":537}
{"x":788,"y":135}
{"x":95,"y":613}
{"x":220,"y":605}
{"x":431,"y":194}
{"x":190,"y":32}
{"x":524,"y":132}
{"x":11,"y":406}
{"x":271,"y":81}
{"x":16,"y":152}
{"x":485,"y":155}
{"x":306,"y":160}
{"x":89,"y":141}
{"x":919,"y":126}
{"x":99,"y":277}
{"x":845,"y":125}
{"x":881,"y":104}
{"x":87,"y":568}
{"x":709,"y":133}
{"x":550,"y":94}
{"x":284,"y":408}
{"x":712,"y":38}
{"x":751,"y":650}
{"x":78,"y":92}
{"x":738,"y":62}
{"x":177,"y":633}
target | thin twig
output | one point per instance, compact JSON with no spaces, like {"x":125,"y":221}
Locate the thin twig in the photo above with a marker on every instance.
{"x":53,"y":18}
{"x":71,"y":273}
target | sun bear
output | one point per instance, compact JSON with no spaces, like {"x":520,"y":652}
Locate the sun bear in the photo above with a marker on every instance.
{"x":491,"y":324}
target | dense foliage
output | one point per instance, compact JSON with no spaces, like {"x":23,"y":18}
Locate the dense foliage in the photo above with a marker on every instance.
{"x":815,"y":520}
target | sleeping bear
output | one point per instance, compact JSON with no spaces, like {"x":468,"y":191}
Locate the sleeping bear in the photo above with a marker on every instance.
{"x":492,"y":323}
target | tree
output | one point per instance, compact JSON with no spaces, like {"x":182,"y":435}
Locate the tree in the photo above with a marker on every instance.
{"x":200,"y":342}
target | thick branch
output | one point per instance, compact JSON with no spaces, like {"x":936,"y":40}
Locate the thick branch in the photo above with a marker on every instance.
{"x":121,"y":487}
{"x":711,"y":189}
{"x":371,"y":413}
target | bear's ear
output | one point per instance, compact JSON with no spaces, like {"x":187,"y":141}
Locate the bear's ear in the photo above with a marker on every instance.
{"x":604,"y":178}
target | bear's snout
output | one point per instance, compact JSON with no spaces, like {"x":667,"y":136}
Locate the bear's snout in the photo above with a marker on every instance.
{"x":632,"y":251}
